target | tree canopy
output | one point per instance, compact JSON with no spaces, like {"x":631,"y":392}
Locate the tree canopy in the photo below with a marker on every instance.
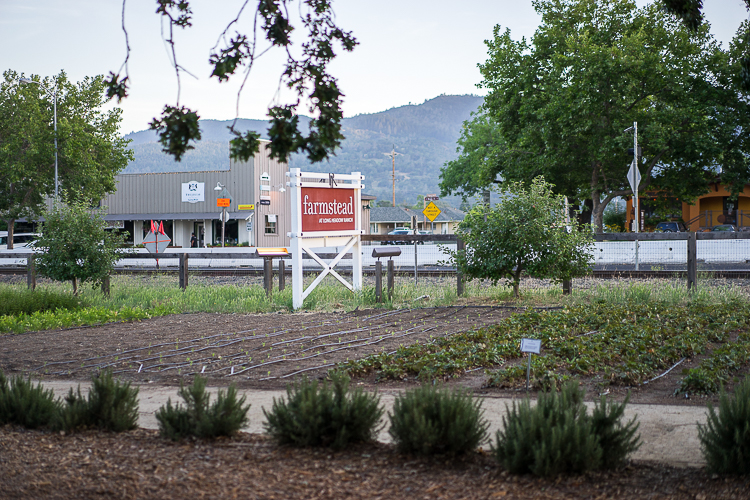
{"x":75,"y":245}
{"x":558,"y":106}
{"x":234,"y":55}
{"x":90,"y":149}
{"x":528,"y":231}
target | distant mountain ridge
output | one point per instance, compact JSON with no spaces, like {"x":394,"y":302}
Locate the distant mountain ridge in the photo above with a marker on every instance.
{"x":425,"y":135}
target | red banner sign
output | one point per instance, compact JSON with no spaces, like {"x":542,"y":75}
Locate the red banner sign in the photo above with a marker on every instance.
{"x":327,"y":209}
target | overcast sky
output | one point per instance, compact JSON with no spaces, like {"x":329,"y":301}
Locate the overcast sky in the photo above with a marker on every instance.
{"x":410,"y":50}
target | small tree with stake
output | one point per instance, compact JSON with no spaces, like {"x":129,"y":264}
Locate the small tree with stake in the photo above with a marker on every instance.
{"x":75,"y":245}
{"x":527,"y":231}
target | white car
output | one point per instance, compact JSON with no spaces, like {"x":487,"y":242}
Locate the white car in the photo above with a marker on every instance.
{"x":20,"y":240}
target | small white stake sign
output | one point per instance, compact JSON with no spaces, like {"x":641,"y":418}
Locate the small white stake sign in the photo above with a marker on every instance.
{"x":531,"y":346}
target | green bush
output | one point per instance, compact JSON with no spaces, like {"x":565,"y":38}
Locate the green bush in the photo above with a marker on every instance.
{"x":558,"y":437}
{"x":14,"y":301}
{"x":725,"y":439}
{"x":24,"y":404}
{"x":330,"y":415}
{"x":432,"y":420}
{"x":199,"y":418}
{"x":110,"y":406}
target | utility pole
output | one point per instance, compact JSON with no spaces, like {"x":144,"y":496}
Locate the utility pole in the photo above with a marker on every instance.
{"x":393,"y":154}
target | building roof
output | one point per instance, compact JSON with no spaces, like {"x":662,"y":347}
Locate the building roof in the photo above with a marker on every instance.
{"x":399,"y":214}
{"x":389,"y":214}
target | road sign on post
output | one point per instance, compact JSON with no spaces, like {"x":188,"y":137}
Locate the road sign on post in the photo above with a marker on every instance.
{"x":431,"y":211}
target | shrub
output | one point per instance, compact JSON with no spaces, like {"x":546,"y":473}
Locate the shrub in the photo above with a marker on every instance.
{"x":110,"y":406}
{"x":330,"y":415}
{"x":199,"y":418}
{"x":725,"y":439}
{"x":557,"y":436}
{"x":24,"y":404}
{"x":616,"y":440}
{"x":432,"y":420}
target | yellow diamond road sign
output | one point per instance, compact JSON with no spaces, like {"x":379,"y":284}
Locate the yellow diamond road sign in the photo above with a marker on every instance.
{"x":431,"y":211}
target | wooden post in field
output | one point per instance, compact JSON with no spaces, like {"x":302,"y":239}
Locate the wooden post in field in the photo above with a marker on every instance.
{"x":268,"y":275}
{"x":183,"y":271}
{"x":567,"y":286}
{"x":30,"y":272}
{"x":460,"y":245}
{"x":692,"y":262}
{"x":282,"y":278}
{"x":378,"y":281}
{"x":391,"y":267}
{"x":105,"y":286}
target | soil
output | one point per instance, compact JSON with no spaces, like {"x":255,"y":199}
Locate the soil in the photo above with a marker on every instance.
{"x":265,"y":352}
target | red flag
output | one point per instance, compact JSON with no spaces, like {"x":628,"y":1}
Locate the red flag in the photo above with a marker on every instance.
{"x":153,"y":227}
{"x":161,"y":228}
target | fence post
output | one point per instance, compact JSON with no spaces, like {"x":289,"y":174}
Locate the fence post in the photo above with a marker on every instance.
{"x":268,"y":275}
{"x":182,"y":273}
{"x":460,"y":245}
{"x":391,"y":267}
{"x":105,"y":286}
{"x":31,"y":272}
{"x":378,"y":281}
{"x":282,"y":278}
{"x":567,"y":286}
{"x":692,"y":261}
{"x":415,"y":261}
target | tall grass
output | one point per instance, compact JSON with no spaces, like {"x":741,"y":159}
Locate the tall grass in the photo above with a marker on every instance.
{"x":138,"y":297}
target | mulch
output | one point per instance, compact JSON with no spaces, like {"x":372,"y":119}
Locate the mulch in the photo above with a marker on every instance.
{"x":141,"y":465}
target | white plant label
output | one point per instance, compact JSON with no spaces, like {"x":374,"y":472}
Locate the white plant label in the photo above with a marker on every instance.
{"x":531,"y":345}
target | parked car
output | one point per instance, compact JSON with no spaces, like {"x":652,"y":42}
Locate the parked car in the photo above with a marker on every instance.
{"x":670,"y":227}
{"x":724,"y":227}
{"x":403,"y":232}
{"x":20,"y":240}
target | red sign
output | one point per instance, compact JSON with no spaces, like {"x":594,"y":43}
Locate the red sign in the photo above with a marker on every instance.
{"x":222,"y":202}
{"x":327,"y":209}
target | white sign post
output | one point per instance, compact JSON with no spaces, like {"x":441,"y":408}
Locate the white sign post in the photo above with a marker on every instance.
{"x":634,"y":178}
{"x":326,"y":211}
{"x":530,"y":346}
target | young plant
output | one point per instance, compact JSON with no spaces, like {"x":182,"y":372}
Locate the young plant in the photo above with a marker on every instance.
{"x":330,"y":415}
{"x":725,"y":439}
{"x":433,"y":420}
{"x":24,"y":404}
{"x":199,"y":418}
{"x":558,"y":437}
{"x":110,"y":406}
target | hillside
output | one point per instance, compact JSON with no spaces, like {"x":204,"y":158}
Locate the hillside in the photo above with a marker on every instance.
{"x":425,"y":135}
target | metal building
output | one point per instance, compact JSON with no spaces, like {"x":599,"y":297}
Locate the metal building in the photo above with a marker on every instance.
{"x":186,"y":203}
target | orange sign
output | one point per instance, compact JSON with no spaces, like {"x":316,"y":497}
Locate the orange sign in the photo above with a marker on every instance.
{"x":222,"y":202}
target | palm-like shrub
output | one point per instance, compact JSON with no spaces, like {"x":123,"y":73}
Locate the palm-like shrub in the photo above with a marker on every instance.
{"x":199,"y":418}
{"x":725,"y":439}
{"x":434,"y":420}
{"x":329,"y":415}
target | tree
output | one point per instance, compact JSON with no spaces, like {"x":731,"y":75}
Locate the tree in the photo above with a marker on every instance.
{"x":90,"y":150}
{"x":307,"y":75}
{"x":75,"y":245}
{"x":527,"y":231}
{"x":558,"y":106}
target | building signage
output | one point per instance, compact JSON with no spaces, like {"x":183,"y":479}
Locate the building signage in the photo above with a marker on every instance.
{"x":326,"y":209}
{"x":192,"y":192}
{"x":246,"y":207}
{"x":264,"y":202}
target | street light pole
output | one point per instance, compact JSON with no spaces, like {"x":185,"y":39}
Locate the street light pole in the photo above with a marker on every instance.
{"x":54,"y":106}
